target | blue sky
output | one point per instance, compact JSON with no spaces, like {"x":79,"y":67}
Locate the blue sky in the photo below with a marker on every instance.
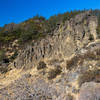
{"x":20,"y":10}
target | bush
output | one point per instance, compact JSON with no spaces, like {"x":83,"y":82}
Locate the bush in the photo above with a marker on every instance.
{"x":6,"y":37}
{"x":41,"y":65}
{"x":91,"y":75}
{"x":2,"y":55}
{"x":14,"y":55}
{"x":73,"y":62}
{"x":28,"y":36}
{"x":91,"y":38}
{"x":54,"y":72}
{"x":55,"y":20}
{"x":3,"y":70}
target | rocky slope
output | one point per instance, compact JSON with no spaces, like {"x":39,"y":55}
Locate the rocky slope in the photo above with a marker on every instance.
{"x":65,"y":65}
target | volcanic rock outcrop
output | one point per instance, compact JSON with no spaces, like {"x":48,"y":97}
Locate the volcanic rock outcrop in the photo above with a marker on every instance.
{"x":65,"y":65}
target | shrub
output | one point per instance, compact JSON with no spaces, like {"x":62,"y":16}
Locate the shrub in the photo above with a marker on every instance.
{"x":54,"y":72}
{"x":2,"y":55}
{"x":76,"y":60}
{"x":91,"y":38}
{"x":72,"y":63}
{"x":6,"y":60}
{"x":14,"y":55}
{"x":6,"y":37}
{"x":25,"y":36}
{"x":91,"y":75}
{"x":3,"y":70}
{"x":28,"y":36}
{"x":41,"y":65}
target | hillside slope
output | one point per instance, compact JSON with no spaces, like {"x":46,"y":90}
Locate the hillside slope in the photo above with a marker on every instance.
{"x":63,"y":65}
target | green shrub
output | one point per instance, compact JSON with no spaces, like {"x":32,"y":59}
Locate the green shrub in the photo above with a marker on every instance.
{"x":91,"y":38}
{"x":41,"y":65}
{"x":25,"y":36}
{"x":14,"y":55}
{"x":73,"y":62}
{"x":54,"y":72}
{"x":34,"y":28}
{"x":2,"y":55}
{"x":55,"y":20}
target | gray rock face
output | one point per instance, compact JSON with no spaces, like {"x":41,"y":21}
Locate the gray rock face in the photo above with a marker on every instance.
{"x":90,"y":91}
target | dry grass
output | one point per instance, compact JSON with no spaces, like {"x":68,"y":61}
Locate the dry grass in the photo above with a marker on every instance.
{"x":9,"y":77}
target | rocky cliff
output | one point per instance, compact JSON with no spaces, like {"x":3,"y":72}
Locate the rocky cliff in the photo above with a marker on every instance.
{"x":65,"y":41}
{"x":65,"y":65}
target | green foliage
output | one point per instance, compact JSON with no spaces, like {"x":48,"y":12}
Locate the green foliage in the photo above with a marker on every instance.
{"x":2,"y":55}
{"x":57,"y":19}
{"x":54,"y":72}
{"x":28,"y":36}
{"x":91,"y":38}
{"x":72,"y":62}
{"x":25,"y":37}
{"x":6,"y":37}
{"x":41,"y":65}
{"x":14,"y":55}
{"x":33,"y":28}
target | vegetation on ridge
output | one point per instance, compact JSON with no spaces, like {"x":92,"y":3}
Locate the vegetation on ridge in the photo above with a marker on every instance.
{"x":37,"y":27}
{"x":33,"y":28}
